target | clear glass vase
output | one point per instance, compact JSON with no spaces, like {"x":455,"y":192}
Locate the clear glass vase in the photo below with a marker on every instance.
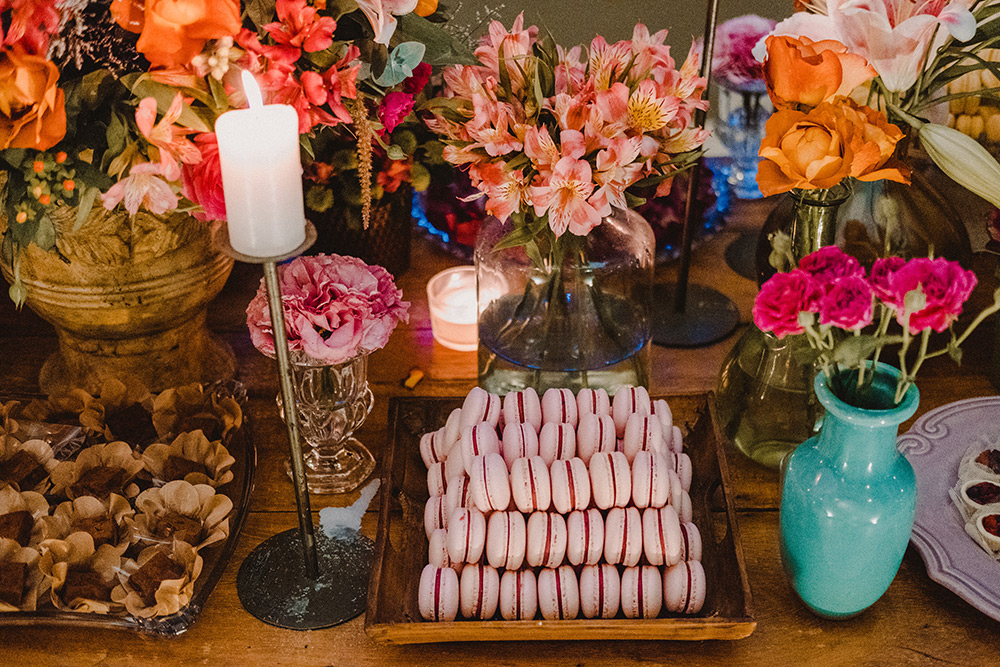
{"x":332,"y":401}
{"x":742,"y":115}
{"x":571,"y":311}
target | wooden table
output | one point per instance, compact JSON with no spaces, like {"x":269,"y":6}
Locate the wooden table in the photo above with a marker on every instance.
{"x":916,"y":621}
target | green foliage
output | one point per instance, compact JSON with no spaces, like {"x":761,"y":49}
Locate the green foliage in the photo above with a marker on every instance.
{"x":262,"y":12}
{"x":442,"y":48}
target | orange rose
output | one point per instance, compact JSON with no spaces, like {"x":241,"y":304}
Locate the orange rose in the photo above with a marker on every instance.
{"x":803,"y":72}
{"x":172,"y":32}
{"x":426,"y":7}
{"x":32,"y":107}
{"x":820,"y":148}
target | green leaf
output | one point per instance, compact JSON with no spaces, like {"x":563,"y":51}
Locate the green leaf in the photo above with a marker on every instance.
{"x":261,"y":11}
{"x":337,"y":8}
{"x":164,"y":96}
{"x":504,"y":73}
{"x":18,"y":293}
{"x":955,"y":352}
{"x":219,"y":95}
{"x":442,"y":48}
{"x":633,"y":201}
{"x":851,"y":351}
{"x":45,"y":237}
{"x":517,"y":237}
{"x":531,"y":248}
{"x":394,"y":152}
{"x":86,"y":204}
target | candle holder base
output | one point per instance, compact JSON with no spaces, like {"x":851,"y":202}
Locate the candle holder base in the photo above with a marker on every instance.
{"x":273,"y":586}
{"x":708,"y":317}
{"x":221,"y":242}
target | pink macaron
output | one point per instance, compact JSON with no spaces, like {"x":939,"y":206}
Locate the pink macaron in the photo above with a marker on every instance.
{"x":676,"y":439}
{"x":437,"y":548}
{"x":676,"y":490}
{"x":479,"y":591}
{"x":650,"y":480}
{"x":623,"y":536}
{"x":435,"y":514}
{"x":610,"y":480}
{"x":557,"y":441}
{"x":600,"y":591}
{"x":642,"y":592}
{"x":595,"y":433}
{"x":690,"y":542}
{"x":437,"y":595}
{"x":558,"y":593}
{"x":459,"y":493}
{"x":506,"y":539}
{"x":432,"y":448}
{"x":454,"y":465}
{"x":570,"y":485}
{"x":452,"y":429}
{"x":518,"y":595}
{"x":519,"y":441}
{"x":490,"y":483}
{"x":480,"y":406}
{"x":436,"y":485}
{"x":478,"y":440}
{"x":523,"y":407}
{"x":642,"y":434}
{"x":584,"y":537}
{"x":662,"y":541}
{"x":559,"y":407}
{"x":628,"y":401}
{"x":661,"y":410}
{"x":546,"y":537}
{"x":684,"y":508}
{"x":681,"y":463}
{"x":530,"y":486}
{"x":466,"y":535}
{"x":684,"y":587}
{"x":593,"y":402}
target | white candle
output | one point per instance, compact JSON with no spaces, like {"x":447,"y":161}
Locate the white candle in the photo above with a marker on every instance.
{"x":451,"y":297}
{"x":262,"y":176}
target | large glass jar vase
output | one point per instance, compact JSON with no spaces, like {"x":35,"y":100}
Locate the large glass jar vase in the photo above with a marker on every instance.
{"x":569,"y":311}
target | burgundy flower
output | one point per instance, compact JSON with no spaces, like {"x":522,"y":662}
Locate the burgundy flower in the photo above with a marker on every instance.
{"x":880,"y":279}
{"x":847,"y":304}
{"x":782,"y":298}
{"x":946,"y":287}
{"x":830,"y":263}
{"x":416,"y":82}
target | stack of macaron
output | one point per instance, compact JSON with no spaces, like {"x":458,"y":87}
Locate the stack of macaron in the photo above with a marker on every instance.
{"x":565,"y":506}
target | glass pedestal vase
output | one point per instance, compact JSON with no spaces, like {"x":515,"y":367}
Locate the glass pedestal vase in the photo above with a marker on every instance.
{"x":848,"y":499}
{"x":742,"y":115}
{"x":332,"y":402}
{"x":571,"y":311}
{"x":765,"y":404}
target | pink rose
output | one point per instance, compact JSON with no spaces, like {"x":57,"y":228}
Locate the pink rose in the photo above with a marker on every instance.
{"x":394,"y":109}
{"x":202,"y":182}
{"x":335,"y":308}
{"x":830,"y":263}
{"x":881,"y":276}
{"x":946,"y":287}
{"x":782,"y":298}
{"x":847,"y":304}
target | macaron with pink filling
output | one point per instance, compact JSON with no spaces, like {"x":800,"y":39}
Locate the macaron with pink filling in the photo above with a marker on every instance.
{"x":466,"y":535}
{"x":642,"y":592}
{"x":518,"y":595}
{"x":595,"y":433}
{"x":623,"y":536}
{"x":530,"y":486}
{"x":435,"y":515}
{"x":642,"y":434}
{"x":546,"y":540}
{"x":681,"y":463}
{"x":437,"y":595}
{"x":559,"y":407}
{"x":454,"y":465}
{"x":432,"y":448}
{"x":593,"y":402}
{"x":479,"y":591}
{"x":480,"y":406}
{"x":610,"y":480}
{"x":452,"y":429}
{"x":629,"y":401}
{"x":436,"y":485}
{"x":650,"y":480}
{"x":584,"y":537}
{"x":690,"y":542}
{"x":506,"y":539}
{"x":558,"y":593}
{"x":661,"y":536}
{"x":676,"y":439}
{"x":684,"y":587}
{"x":523,"y":407}
{"x":684,"y":509}
{"x":478,"y":440}
{"x":519,"y":441}
{"x":600,"y":591}
{"x":661,"y":410}
{"x":570,"y":485}
{"x":437,"y":548}
{"x":490,"y":483}
{"x":557,"y":441}
{"x":459,"y":493}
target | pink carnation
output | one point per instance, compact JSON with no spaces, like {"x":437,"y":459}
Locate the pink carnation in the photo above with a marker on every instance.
{"x":202,"y":182}
{"x":782,"y":298}
{"x":830,"y":263}
{"x":881,"y":276}
{"x":335,"y":308}
{"x":946,"y":287}
{"x":394,"y":109}
{"x":733,"y":62}
{"x":847,"y":304}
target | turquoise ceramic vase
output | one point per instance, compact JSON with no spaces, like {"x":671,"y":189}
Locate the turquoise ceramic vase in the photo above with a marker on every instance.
{"x":847,"y":501}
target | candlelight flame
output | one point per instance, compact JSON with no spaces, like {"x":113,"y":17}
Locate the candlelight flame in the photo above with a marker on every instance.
{"x":252,"y":91}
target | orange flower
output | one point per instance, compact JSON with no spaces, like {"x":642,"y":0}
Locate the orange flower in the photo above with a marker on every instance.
{"x":32,"y":107}
{"x":800,"y":72}
{"x":172,"y":32}
{"x":426,"y":7}
{"x":820,"y":148}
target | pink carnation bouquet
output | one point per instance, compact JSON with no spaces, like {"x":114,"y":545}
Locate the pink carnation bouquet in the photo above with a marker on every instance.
{"x":830,"y":299}
{"x":733,"y":62}
{"x":335,"y":309}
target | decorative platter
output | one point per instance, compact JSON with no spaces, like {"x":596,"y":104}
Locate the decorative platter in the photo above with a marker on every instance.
{"x":934,"y":446}
{"x":401,"y":546}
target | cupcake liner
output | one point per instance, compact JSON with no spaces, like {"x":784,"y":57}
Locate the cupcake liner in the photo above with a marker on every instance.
{"x":169,"y":462}
{"x":171,"y":595}
{"x":159,"y":507}
{"x":76,"y":553}
{"x":112,"y":456}
{"x":191,"y":407}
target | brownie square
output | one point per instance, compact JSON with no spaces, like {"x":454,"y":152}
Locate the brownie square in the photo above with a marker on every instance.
{"x":17,"y":526}
{"x":22,"y":469}
{"x":146,"y":580}
{"x":177,"y":467}
{"x":180,"y":527}
{"x":85,"y":585}
{"x":101,"y":528}
{"x":13,"y":576}
{"x":133,"y":424}
{"x":99,"y":482}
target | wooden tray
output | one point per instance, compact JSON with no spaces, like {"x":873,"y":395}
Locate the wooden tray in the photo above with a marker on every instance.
{"x":401,"y":546}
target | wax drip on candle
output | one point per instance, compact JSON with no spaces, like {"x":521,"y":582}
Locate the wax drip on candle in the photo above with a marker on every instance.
{"x":252,"y":91}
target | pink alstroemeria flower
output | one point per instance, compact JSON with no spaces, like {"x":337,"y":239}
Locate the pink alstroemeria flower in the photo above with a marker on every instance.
{"x":300,"y":26}
{"x":169,"y":139}
{"x":565,"y":196}
{"x":506,"y":190}
{"x":380,"y":13}
{"x":142,"y":187}
{"x":617,"y":169}
{"x":491,"y":126}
